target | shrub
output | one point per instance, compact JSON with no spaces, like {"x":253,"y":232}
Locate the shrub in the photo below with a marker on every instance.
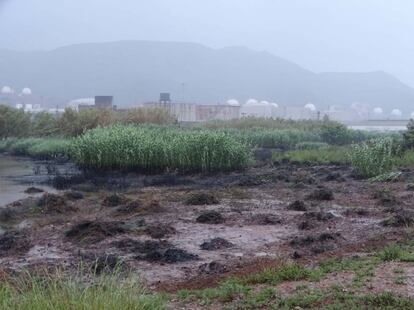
{"x":408,"y":136}
{"x":14,"y":122}
{"x":157,"y":149}
{"x":373,"y":158}
{"x":335,"y":133}
{"x":44,"y":124}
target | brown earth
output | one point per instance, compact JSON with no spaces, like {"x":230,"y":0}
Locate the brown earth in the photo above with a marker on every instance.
{"x":174,"y":237}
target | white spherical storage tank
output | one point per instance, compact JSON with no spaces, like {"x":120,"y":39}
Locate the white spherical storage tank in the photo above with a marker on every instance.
{"x":7,"y":90}
{"x":233,"y":102}
{"x":254,"y":108}
{"x":378,"y":111}
{"x":26,"y":91}
{"x":396,"y":113}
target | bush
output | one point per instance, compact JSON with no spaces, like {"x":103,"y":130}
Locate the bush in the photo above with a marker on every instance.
{"x":44,"y":124}
{"x":373,"y":158}
{"x":155,"y":149}
{"x":335,"y":133}
{"x":408,"y":136}
{"x":14,"y":123}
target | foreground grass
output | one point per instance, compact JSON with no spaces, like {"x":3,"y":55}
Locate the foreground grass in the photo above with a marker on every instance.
{"x":258,"y":291}
{"x":59,"y":293}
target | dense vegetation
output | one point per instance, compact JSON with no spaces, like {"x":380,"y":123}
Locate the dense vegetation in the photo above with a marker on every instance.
{"x":17,"y":123}
{"x":156,"y":149}
{"x":55,"y":292}
{"x":120,"y":140}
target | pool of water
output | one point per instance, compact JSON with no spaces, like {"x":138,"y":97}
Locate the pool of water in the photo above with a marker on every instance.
{"x":12,"y":173}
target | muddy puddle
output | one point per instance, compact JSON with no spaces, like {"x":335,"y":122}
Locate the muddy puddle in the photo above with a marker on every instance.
{"x":16,"y":175}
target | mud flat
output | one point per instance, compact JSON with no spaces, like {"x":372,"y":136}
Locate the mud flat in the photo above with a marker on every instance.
{"x":192,"y":231}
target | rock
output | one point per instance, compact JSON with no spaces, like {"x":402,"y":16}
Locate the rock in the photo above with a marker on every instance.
{"x":297,"y":205}
{"x":201,"y":198}
{"x":321,"y":194}
{"x":210,"y":217}
{"x":216,"y":244}
{"x":33,"y":190}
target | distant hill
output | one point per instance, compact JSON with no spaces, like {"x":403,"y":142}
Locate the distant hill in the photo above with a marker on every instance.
{"x":137,"y":71}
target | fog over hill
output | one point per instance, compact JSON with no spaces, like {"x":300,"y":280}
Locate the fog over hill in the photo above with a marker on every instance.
{"x":137,"y":71}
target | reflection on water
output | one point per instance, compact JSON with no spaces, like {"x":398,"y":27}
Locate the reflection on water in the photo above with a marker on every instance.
{"x":11,"y":169}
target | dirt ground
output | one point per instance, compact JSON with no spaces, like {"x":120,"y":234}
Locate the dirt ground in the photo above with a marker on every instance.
{"x":192,"y":231}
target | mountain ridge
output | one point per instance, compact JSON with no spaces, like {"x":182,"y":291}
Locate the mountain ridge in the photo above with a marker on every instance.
{"x":137,"y":71}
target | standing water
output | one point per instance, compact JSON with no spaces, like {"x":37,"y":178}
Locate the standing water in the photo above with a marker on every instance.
{"x":13,"y":172}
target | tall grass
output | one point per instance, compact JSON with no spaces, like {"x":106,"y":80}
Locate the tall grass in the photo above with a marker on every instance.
{"x":39,"y":148}
{"x":274,"y":138}
{"x":55,"y":292}
{"x":373,"y":158}
{"x":157,"y":149}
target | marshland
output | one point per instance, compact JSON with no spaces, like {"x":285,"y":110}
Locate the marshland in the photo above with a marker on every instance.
{"x":134,"y":211}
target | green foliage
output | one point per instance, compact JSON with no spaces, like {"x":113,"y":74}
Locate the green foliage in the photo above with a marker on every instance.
{"x":408,"y":136}
{"x":373,"y":158}
{"x":335,"y":133}
{"x":72,"y":123}
{"x":14,"y":123}
{"x":54,"y":292}
{"x":155,"y":149}
{"x":289,"y":272}
{"x":283,"y":139}
{"x":323,"y":155}
{"x":311,"y":145}
{"x":41,"y":148}
{"x":44,"y":124}
{"x":267,"y":123}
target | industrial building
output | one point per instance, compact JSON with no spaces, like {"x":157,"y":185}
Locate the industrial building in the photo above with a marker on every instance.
{"x":191,"y":112}
{"x":99,"y":103}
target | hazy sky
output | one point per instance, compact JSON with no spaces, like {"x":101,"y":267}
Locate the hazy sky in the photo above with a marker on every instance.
{"x":321,"y":35}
